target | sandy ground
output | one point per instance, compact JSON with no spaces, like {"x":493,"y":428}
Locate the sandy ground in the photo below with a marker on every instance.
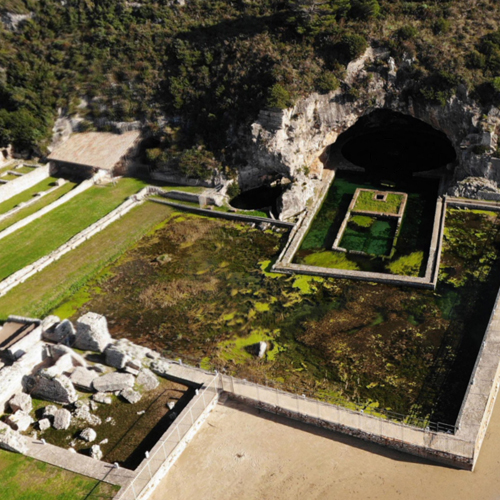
{"x":241,"y":455}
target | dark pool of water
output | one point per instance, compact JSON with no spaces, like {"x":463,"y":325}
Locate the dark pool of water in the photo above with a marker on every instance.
{"x":258,"y":198}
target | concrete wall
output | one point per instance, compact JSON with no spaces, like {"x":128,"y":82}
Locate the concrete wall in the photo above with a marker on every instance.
{"x":16,"y":186}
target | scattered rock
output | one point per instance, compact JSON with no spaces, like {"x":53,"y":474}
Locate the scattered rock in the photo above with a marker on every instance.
{"x":58,"y":389}
{"x":160,"y":366}
{"x":63,"y":365}
{"x":147,"y":380}
{"x":171,"y":405}
{"x":19,"y":421}
{"x":63,"y":332}
{"x":49,"y":411}
{"x":132,"y":371}
{"x":83,"y":413}
{"x":11,"y":440}
{"x":60,"y":350}
{"x":101,"y":397}
{"x":88,"y":434}
{"x":93,"y":405}
{"x":95,"y":452}
{"x":83,"y":378}
{"x":104,"y":441}
{"x":44,"y":424}
{"x":98,"y":368}
{"x":113,"y":382}
{"x":71,"y":450}
{"x":125,"y":353}
{"x":92,"y":333}
{"x":21,"y":401}
{"x":131,"y":396}
{"x":62,"y":419}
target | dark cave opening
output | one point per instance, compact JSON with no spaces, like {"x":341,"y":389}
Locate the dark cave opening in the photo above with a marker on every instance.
{"x":394,"y":145}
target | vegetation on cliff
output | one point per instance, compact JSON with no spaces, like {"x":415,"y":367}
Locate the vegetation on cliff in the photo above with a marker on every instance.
{"x":214,"y":64}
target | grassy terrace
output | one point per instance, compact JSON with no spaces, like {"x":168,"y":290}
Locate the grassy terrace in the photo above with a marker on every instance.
{"x":64,"y":277}
{"x":51,"y":231}
{"x":27,"y":479}
{"x":9,"y":204}
{"x":38,"y":205}
{"x":365,"y":202}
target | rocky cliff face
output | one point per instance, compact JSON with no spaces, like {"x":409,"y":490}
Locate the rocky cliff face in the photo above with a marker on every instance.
{"x":294,"y":142}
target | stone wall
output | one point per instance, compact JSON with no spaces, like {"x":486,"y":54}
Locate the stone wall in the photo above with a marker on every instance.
{"x":83,"y":186}
{"x":16,"y":186}
{"x":23,"y":274}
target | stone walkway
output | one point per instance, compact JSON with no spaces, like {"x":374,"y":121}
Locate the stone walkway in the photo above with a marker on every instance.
{"x":75,"y":462}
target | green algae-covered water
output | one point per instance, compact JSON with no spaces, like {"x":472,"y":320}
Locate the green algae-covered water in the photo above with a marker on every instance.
{"x":376,"y":239}
{"x":200,"y":289}
{"x":410,"y":256}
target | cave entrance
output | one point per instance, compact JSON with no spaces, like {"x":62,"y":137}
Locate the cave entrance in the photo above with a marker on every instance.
{"x":392,"y":145}
{"x":260,"y":198}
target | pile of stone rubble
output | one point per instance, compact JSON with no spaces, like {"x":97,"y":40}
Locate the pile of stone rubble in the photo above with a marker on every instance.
{"x":128,"y":370}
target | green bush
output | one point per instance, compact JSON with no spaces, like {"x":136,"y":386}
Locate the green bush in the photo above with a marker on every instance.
{"x":233,"y":190}
{"x":328,"y":82}
{"x":441,"y":26}
{"x":352,"y":46}
{"x":279,"y":97}
{"x":407,"y":32}
{"x":364,"y":9}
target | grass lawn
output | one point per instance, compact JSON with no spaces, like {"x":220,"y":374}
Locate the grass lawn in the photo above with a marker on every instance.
{"x":26,"y":479}
{"x":9,"y":204}
{"x":63,"y":278}
{"x":44,"y":235}
{"x":38,"y":205}
{"x":25,"y":170}
{"x":365,"y":202}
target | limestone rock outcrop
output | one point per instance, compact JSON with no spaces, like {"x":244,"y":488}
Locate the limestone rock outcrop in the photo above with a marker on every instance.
{"x":294,"y":142}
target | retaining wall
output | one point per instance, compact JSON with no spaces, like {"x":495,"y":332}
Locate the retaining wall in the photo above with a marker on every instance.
{"x":16,"y":186}
{"x":225,"y":215}
{"x":30,"y":202}
{"x":23,"y":274}
{"x":83,"y":186}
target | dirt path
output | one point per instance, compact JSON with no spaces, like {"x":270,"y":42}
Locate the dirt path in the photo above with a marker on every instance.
{"x":240,"y":455}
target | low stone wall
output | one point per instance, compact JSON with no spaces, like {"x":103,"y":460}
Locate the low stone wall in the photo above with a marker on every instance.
{"x":171,"y":445}
{"x":23,"y":274}
{"x":226,"y":215}
{"x":445,"y":448}
{"x":83,"y":186}
{"x":16,"y":186}
{"x":176,"y":179}
{"x":30,"y":202}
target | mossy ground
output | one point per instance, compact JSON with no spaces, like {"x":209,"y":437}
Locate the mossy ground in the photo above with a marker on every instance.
{"x":131,"y":429}
{"x":200,"y":289}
